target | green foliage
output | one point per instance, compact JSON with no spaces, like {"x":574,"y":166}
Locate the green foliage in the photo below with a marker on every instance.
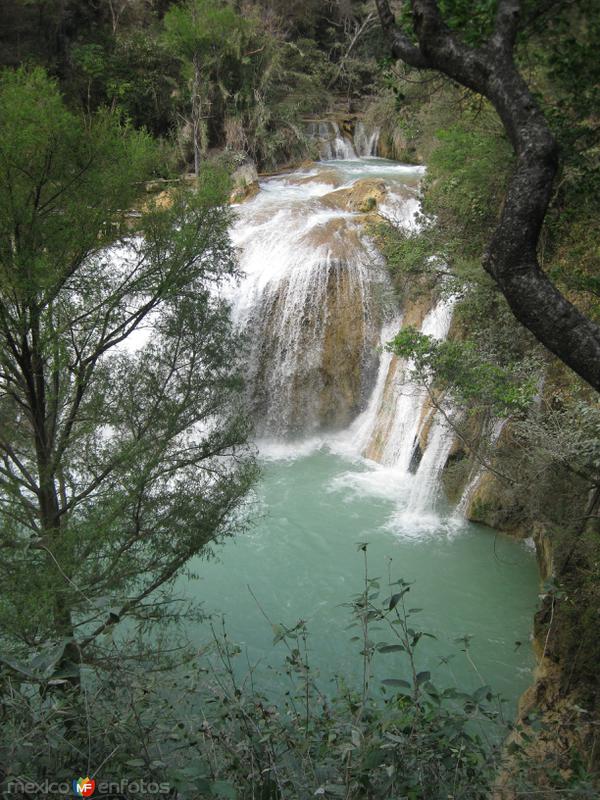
{"x":114,"y":474}
{"x":467,"y":175}
{"x":567,"y":61}
{"x":254,"y":83}
{"x":62,"y":178}
{"x":458,"y":364}
{"x":202,"y":727}
{"x":141,"y":81}
{"x":204,"y":30}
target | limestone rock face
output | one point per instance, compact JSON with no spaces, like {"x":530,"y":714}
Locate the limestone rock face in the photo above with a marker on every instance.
{"x":363,"y":197}
{"x":315,"y":334}
{"x":344,"y":349}
{"x":395,"y":145}
{"x":385,"y":419}
{"x":492,"y":503}
{"x":245,"y":183}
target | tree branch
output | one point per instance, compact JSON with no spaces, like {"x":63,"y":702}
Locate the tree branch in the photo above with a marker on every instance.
{"x":400,"y":44}
{"x":506,"y":25}
{"x":511,"y":257}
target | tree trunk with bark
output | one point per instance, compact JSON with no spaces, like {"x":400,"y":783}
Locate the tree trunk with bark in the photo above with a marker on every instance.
{"x":511,"y":257}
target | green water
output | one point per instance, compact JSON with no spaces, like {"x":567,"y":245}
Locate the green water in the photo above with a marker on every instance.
{"x":301,"y":560}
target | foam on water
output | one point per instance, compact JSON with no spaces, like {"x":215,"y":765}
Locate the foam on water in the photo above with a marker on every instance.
{"x":294,"y":251}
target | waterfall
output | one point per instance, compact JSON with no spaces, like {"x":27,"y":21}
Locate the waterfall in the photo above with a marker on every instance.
{"x":338,"y":146}
{"x":365,"y":140}
{"x":426,"y":482}
{"x":315,"y":306}
{"x":309,"y":302}
{"x":403,"y":403}
{"x":402,"y":433}
{"x":333,"y":145}
{"x":479,"y":470}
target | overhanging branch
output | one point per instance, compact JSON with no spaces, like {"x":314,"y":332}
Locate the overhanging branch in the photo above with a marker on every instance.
{"x":511,"y":257}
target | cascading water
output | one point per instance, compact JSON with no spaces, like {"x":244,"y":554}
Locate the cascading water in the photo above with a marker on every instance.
{"x":403,"y":401}
{"x":332,"y":143}
{"x":353,"y":448}
{"x":365,"y":140}
{"x":335,"y":145}
{"x":311,"y":301}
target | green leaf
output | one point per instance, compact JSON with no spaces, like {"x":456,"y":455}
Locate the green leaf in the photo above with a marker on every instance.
{"x":422,"y":677}
{"x":16,"y":666}
{"x":396,"y":682}
{"x":394,"y":600}
{"x":391,"y":648}
{"x":279,"y":633}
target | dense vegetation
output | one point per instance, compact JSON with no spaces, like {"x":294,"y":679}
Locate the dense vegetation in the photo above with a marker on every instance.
{"x":96,"y":99}
{"x":543,"y":472}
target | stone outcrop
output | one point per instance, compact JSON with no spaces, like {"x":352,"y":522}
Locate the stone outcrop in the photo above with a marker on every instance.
{"x":245,"y":183}
{"x":364,"y":196}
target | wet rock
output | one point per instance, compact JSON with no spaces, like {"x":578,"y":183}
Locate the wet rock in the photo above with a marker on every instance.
{"x":245,"y":183}
{"x":363,"y":197}
{"x":493,"y":503}
{"x":327,"y":176}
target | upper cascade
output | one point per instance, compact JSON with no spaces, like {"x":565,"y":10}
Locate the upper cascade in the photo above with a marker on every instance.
{"x":346,"y":142}
{"x":318,"y":308}
{"x":365,"y":140}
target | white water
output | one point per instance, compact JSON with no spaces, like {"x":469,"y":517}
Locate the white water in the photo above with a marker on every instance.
{"x":396,"y":416}
{"x":316,"y":304}
{"x":305,"y":263}
{"x":365,"y":140}
{"x":337,"y":145}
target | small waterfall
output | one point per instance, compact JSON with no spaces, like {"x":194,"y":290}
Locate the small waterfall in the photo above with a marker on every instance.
{"x":338,"y":147}
{"x":401,"y":429}
{"x":403,"y":402}
{"x":426,"y":482}
{"x":362,"y":429}
{"x":333,"y":145}
{"x":365,"y":140}
{"x":479,"y":470}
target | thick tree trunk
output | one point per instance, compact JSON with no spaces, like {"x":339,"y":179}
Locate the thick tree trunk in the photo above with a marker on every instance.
{"x":511,"y":257}
{"x":47,"y":496}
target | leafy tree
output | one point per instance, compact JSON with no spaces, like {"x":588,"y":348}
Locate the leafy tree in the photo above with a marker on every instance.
{"x":477,"y":51}
{"x":115,"y":365}
{"x":203,"y":33}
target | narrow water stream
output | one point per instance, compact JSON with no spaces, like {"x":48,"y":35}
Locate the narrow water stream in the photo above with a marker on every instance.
{"x":352,"y":451}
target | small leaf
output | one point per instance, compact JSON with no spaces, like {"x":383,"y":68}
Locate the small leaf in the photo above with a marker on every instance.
{"x":391,"y":648}
{"x":279,"y":633}
{"x":422,"y":677}
{"x":396,"y":682}
{"x":394,"y":600}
